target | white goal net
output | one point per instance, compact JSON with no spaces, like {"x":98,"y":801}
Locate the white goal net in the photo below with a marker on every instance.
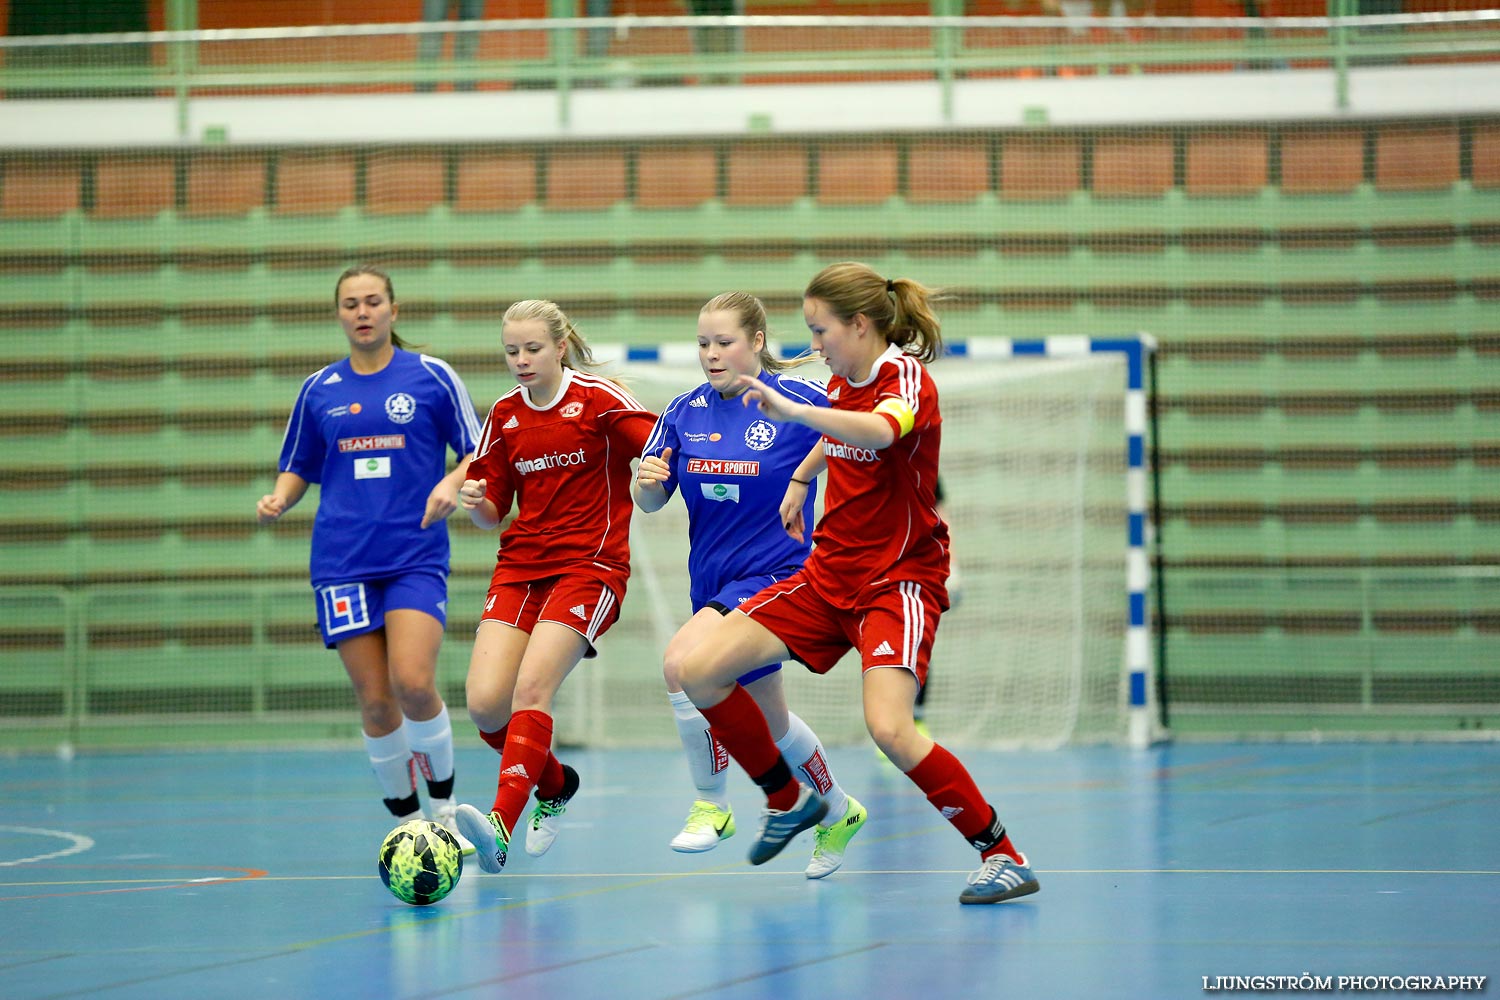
{"x":1033,"y":469}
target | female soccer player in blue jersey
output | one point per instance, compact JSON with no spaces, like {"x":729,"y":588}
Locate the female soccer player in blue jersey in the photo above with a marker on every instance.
{"x":373,"y":431}
{"x":732,"y":467}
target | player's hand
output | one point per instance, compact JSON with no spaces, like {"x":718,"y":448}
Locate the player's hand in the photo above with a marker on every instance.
{"x":442,"y":501}
{"x":766,"y":399}
{"x":654,"y":471}
{"x":471,"y":493}
{"x":269,"y":508}
{"x":791,"y":510}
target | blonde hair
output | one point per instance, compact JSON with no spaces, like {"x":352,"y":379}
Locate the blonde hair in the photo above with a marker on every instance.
{"x":560,"y":330}
{"x":750,"y":318}
{"x":390,"y":293}
{"x":900,"y":308}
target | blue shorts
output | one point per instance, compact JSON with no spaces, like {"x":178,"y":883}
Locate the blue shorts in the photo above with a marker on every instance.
{"x":732,"y":596}
{"x":346,"y":610}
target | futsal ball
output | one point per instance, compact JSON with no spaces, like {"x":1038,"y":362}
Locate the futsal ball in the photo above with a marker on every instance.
{"x":420,"y":862}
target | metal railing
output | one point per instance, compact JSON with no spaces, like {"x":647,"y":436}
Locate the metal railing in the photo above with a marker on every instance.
{"x":565,"y":55}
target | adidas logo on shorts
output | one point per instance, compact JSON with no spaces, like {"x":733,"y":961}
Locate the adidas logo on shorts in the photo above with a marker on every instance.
{"x":884,"y":649}
{"x":580,"y":611}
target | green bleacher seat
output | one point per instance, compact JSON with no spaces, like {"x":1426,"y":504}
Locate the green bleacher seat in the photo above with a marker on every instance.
{"x":1327,"y":395}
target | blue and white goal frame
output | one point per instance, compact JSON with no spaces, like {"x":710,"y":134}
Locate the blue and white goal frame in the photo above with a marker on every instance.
{"x":1144,"y":724}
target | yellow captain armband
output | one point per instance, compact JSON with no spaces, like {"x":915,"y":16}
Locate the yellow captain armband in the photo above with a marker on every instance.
{"x":898,"y":411}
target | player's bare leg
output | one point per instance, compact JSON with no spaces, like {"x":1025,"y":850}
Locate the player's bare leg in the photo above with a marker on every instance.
{"x":710,"y":675}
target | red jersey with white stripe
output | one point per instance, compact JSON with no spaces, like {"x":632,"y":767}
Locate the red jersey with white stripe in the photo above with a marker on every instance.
{"x":567,"y":467}
{"x":880,"y":521}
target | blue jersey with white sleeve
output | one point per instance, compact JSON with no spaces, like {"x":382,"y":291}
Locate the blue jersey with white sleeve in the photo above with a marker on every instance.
{"x":731,"y":463}
{"x":377,"y":445}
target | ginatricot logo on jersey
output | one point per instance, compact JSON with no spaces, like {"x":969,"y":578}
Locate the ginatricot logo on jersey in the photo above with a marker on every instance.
{"x":837,"y":449}
{"x":556,"y":460}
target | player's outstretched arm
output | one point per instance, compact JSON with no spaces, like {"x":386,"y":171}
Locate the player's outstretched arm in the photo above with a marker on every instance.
{"x":650,"y":487}
{"x":863,"y":430}
{"x":443,"y":500}
{"x":289,"y":488}
{"x":481,"y":508}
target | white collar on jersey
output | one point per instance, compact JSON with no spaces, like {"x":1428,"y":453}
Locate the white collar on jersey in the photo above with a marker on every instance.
{"x":562,"y":390}
{"x":891,"y":351}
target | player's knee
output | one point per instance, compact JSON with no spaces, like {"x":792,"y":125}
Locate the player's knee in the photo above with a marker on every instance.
{"x":671,"y":669}
{"x":484,"y":703}
{"x":692,"y":671}
{"x":889,"y":733}
{"x":380,"y":715}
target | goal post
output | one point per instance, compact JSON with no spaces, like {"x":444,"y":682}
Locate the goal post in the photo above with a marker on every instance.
{"x":1044,"y":475}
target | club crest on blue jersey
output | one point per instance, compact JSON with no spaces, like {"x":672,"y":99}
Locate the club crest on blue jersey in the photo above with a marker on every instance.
{"x":400,"y":407}
{"x":760,"y":435}
{"x":344,"y":607}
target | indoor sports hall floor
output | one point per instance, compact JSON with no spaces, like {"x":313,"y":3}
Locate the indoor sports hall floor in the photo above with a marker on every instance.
{"x":237,"y":874}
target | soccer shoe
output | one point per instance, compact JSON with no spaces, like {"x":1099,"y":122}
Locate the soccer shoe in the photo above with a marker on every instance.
{"x":778,"y":827}
{"x":443,"y":811}
{"x":831,"y":841}
{"x":1000,"y":878}
{"x":546,"y":818}
{"x":706,"y":825}
{"x":487,"y":833}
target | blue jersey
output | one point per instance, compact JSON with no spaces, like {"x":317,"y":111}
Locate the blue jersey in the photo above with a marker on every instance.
{"x":377,"y":444}
{"x":731,"y":464}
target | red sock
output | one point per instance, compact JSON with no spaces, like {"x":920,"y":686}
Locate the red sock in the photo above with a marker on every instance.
{"x":550,"y":784}
{"x":952,"y":792}
{"x":738,"y":724}
{"x":1003,"y":846}
{"x":495,"y":739}
{"x":527,"y":748}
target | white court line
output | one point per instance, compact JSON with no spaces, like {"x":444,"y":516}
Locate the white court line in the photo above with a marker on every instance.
{"x":79,"y":844}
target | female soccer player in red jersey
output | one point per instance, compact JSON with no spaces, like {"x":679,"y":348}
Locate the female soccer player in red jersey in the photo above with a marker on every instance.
{"x":372,"y":430}
{"x":876,"y":578}
{"x":730,"y":465}
{"x":560,"y":445}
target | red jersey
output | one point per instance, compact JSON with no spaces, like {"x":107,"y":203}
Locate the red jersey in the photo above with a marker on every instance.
{"x":567,"y":466}
{"x":880,"y":520}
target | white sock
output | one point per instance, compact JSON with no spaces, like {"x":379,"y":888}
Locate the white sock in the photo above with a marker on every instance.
{"x":708,"y":764}
{"x":431,"y":745}
{"x":806,"y":756}
{"x":391,"y":759}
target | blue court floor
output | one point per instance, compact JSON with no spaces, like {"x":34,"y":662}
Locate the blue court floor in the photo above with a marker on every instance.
{"x":239,"y":874}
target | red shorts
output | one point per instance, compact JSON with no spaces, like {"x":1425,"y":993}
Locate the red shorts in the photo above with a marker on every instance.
{"x":892,"y":625}
{"x":582,"y":603}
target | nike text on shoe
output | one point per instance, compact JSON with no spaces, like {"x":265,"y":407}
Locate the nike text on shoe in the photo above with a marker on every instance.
{"x":546,"y":817}
{"x":443,"y":812}
{"x":1000,"y":878}
{"x":706,"y":825}
{"x":488,"y":834}
{"x":831,"y":841}
{"x":777,"y":828}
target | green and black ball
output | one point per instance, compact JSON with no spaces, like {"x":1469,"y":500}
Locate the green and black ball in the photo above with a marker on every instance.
{"x":420,"y":862}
